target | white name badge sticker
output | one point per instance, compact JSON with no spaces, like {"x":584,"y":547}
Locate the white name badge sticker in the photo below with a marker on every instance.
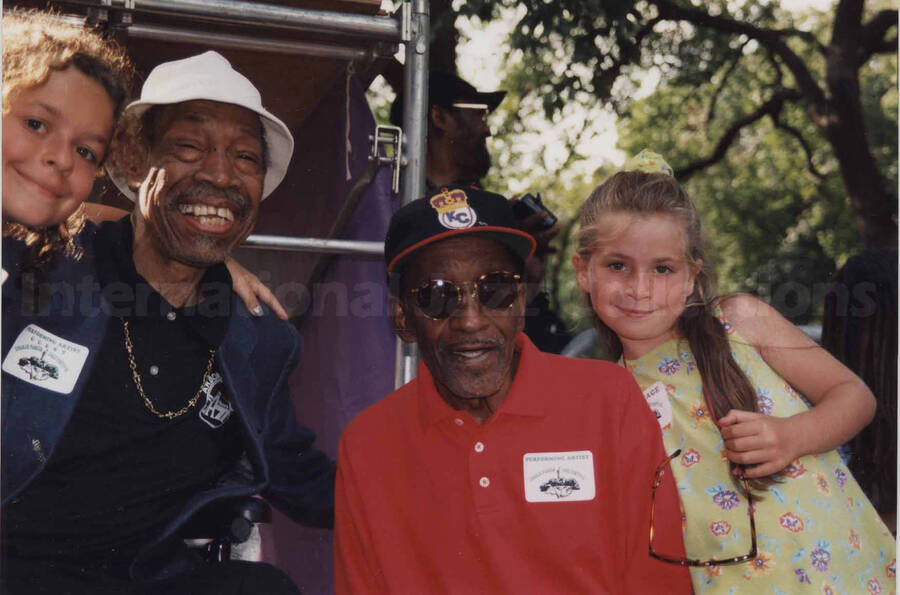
{"x":658,"y":400}
{"x":45,"y":360}
{"x":559,"y":476}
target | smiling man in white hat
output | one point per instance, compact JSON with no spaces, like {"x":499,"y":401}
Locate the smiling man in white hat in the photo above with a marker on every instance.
{"x":178,"y":396}
{"x":205,"y":154}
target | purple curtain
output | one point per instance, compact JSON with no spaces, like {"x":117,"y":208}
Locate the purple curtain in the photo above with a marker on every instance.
{"x":348,"y":342}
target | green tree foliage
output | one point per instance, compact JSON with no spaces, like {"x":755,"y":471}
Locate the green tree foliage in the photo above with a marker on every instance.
{"x":776,"y":215}
{"x":537,"y":152}
{"x":727,"y":114}
{"x":807,"y":80}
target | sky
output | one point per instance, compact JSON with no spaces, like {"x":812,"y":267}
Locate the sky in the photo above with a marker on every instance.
{"x":480,"y":60}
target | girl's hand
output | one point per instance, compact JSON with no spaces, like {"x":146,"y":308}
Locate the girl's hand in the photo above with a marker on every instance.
{"x":761,"y":443}
{"x":150,"y":190}
{"x":251,"y":290}
{"x":842,"y":403}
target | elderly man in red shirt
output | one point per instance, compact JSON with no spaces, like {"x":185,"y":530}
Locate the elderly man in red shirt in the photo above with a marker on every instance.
{"x":499,"y":468}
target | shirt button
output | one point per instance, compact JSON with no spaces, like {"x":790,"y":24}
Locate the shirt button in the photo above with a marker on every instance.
{"x":171,"y":315}
{"x":484,"y":482}
{"x":458,"y":421}
{"x":154,"y":370}
{"x":479,"y":446}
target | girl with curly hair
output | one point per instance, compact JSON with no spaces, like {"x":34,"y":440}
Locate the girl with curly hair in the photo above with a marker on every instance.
{"x":63,"y":90}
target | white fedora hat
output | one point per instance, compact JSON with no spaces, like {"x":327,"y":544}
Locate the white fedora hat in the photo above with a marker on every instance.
{"x":209,"y":76}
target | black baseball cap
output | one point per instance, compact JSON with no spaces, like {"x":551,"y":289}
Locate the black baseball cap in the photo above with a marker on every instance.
{"x":448,"y":212}
{"x":445,"y":89}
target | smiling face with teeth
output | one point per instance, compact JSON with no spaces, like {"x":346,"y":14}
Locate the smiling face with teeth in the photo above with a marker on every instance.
{"x":470,"y":354}
{"x":213,"y":158}
{"x":55,"y":136}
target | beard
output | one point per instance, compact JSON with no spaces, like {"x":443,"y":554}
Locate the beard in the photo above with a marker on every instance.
{"x":197,"y":249}
{"x":472,"y":158}
{"x":479,"y":161}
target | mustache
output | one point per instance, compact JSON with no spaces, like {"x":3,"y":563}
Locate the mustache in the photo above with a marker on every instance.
{"x":472,"y":344}
{"x":201,"y":189}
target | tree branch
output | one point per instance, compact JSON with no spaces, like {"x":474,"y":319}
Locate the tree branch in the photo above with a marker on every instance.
{"x":571,"y":145}
{"x":872,"y":36}
{"x":772,"y":108}
{"x":847,"y":28}
{"x":888,"y":46}
{"x":711,"y":113}
{"x":806,"y":148}
{"x":779,"y":77}
{"x":769,"y":38}
{"x":604,"y":80}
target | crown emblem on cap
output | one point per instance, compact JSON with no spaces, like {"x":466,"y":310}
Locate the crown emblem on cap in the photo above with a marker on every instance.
{"x":453,"y":209}
{"x":449,"y":200}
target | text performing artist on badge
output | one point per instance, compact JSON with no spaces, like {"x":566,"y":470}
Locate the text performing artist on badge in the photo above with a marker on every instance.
{"x":559,"y":476}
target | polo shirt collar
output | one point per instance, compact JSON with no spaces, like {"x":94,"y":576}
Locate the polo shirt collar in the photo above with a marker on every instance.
{"x":524,"y":398}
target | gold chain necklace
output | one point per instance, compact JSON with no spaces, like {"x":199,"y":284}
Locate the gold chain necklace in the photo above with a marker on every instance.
{"x":129,"y":348}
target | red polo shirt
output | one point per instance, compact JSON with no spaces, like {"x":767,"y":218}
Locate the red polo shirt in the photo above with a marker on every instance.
{"x":550,"y":495}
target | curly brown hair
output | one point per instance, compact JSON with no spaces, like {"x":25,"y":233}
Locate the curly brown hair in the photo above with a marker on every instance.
{"x":129,"y":151}
{"x":35,"y":44}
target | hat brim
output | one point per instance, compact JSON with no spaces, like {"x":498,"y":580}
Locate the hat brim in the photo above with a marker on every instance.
{"x":492,"y":100}
{"x":521,"y":243}
{"x":279,"y":145}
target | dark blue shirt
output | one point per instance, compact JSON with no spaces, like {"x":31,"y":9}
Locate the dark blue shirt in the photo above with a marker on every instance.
{"x":121,"y":473}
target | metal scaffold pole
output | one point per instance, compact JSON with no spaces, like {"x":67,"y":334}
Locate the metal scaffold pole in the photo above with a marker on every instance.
{"x":248,"y":43}
{"x":318,"y":245}
{"x":273,"y":15}
{"x":346,"y":34}
{"x":415,"y":127}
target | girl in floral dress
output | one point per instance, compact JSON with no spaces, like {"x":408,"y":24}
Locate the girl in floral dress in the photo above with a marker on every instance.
{"x":749,"y":407}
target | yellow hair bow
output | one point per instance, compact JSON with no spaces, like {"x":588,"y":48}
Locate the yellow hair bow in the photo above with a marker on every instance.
{"x":648,"y":162}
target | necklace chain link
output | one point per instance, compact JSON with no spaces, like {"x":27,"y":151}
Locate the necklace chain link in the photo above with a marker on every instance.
{"x":129,"y":348}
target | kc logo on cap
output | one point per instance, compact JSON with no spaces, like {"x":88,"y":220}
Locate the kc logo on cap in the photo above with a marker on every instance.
{"x":453,"y":209}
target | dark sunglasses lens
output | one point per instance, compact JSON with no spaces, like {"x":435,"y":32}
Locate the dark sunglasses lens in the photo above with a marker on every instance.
{"x":437,"y":299}
{"x":498,"y":290}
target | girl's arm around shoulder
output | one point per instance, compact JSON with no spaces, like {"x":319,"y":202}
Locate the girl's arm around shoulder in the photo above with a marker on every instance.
{"x":251,"y":290}
{"x":843,"y":404}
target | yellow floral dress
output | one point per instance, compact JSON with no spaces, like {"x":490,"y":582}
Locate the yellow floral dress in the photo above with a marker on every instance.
{"x":816,"y":530}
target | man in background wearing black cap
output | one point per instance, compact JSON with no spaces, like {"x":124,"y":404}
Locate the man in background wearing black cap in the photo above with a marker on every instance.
{"x":499,"y":468}
{"x":456,"y":153}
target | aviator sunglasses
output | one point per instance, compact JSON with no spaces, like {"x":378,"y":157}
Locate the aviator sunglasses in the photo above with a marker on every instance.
{"x":438,"y":299}
{"x":681,"y":561}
